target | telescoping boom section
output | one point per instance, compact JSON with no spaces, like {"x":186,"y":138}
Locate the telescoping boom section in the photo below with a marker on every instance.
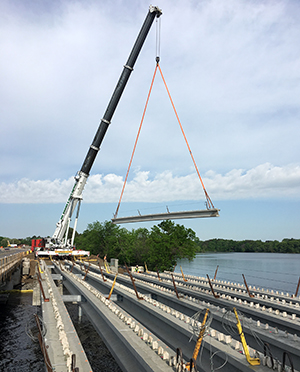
{"x":59,"y":238}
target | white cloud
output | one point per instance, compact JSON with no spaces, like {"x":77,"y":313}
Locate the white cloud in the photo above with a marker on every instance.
{"x":264,"y":181}
{"x":232,"y":69}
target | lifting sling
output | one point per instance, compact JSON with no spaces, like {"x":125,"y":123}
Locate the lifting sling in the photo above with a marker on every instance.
{"x":210,"y":205}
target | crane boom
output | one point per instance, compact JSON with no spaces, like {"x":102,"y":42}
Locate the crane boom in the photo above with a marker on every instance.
{"x":82,"y":176}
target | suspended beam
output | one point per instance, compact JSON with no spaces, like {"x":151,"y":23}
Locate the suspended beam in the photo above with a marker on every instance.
{"x":168,"y":216}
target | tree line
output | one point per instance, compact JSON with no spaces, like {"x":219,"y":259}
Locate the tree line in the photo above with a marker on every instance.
{"x":4,"y":241}
{"x":165,"y":244}
{"x":271,"y":246}
{"x":160,"y":248}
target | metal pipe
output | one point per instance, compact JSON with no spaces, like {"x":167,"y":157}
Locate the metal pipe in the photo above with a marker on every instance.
{"x":216,"y":272}
{"x":134,"y":286}
{"x":250,"y":294}
{"x":101,"y":272}
{"x":174,"y":284}
{"x":42,"y":345}
{"x":86,"y":271}
{"x":297,"y":288}
{"x":211,"y":287}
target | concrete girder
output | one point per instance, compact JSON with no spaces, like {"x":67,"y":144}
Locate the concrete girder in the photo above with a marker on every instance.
{"x":278,"y":341}
{"x":61,"y":338}
{"x":168,"y":216}
{"x":129,"y":350}
{"x":173,"y":331}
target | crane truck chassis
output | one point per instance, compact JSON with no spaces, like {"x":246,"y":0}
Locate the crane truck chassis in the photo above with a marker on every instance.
{"x":59,"y":244}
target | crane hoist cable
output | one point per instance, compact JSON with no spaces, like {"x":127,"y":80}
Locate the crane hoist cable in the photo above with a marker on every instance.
{"x":158,"y":28}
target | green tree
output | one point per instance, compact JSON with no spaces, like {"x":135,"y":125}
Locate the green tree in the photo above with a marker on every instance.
{"x":168,"y":243}
{"x":103,"y":239}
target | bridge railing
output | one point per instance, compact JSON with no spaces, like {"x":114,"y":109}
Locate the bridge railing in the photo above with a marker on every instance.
{"x":9,"y":263}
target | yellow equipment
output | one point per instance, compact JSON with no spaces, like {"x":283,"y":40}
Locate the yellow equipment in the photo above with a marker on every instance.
{"x":252,"y":361}
{"x":183,"y":275}
{"x":112,"y":288}
{"x":199,"y":341}
{"x":106,"y":267}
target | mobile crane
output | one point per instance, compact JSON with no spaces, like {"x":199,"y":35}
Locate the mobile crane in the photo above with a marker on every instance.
{"x":59,"y":244}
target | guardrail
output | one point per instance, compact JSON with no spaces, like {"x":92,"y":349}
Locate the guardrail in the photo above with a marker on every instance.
{"x":9,"y":263}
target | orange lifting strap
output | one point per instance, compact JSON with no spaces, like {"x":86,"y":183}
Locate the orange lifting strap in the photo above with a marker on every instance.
{"x":209,"y":202}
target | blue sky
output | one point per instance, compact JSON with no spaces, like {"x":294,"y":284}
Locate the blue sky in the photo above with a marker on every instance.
{"x":233,"y":69}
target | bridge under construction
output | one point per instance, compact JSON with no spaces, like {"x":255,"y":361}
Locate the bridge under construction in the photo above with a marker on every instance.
{"x":153,"y":321}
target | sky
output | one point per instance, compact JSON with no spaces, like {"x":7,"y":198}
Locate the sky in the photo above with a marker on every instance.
{"x":233,"y":71}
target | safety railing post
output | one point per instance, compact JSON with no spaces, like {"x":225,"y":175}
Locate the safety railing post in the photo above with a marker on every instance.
{"x":296,"y":293}
{"x":134,"y":287}
{"x":246,"y":285}
{"x":86,"y":271}
{"x":216,"y":273}
{"x":158,"y":275}
{"x":174,"y":284}
{"x":101,"y":272}
{"x":211,"y":287}
{"x":183,"y":275}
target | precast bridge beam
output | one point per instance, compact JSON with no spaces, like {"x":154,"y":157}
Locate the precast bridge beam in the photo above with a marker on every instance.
{"x":60,"y":341}
{"x":277,"y":339}
{"x":173,"y":330}
{"x":168,"y":216}
{"x":112,"y":324}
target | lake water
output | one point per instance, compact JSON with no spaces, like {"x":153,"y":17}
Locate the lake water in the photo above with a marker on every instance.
{"x":17,"y":351}
{"x":277,"y":271}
